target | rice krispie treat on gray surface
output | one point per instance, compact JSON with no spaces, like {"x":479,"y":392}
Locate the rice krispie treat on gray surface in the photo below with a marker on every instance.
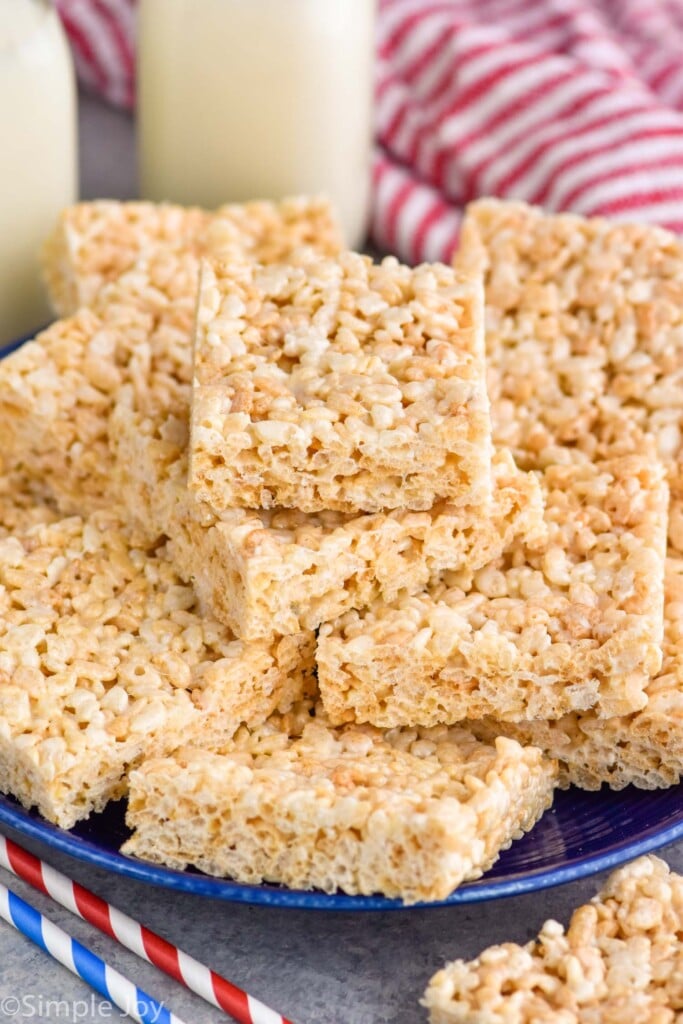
{"x":621,"y":958}
{"x":571,"y":625}
{"x":56,"y":393}
{"x":278,"y":571}
{"x":410,"y":815}
{"x":339,"y":384}
{"x":104,"y":658}
{"x":94,"y":243}
{"x":584,"y":334}
{"x":644,"y":749}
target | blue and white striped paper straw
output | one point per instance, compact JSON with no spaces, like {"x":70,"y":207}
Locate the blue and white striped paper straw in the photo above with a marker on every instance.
{"x":217,"y":990}
{"x":82,"y":962}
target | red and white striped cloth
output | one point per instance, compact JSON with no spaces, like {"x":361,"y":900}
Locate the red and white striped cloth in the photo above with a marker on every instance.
{"x":573,"y":104}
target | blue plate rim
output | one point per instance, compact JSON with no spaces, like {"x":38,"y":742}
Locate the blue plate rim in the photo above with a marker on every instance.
{"x":85,"y":850}
{"x":618,"y":853}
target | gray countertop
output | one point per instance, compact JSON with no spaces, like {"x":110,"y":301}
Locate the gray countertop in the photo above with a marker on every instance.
{"x":315,"y":967}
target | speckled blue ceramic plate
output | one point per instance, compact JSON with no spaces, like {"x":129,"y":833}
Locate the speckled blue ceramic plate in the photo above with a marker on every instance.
{"x":583,"y":833}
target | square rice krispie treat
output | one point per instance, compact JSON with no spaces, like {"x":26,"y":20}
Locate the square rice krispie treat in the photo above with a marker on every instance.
{"x":584,"y":335}
{"x":57,"y":392}
{"x":281,"y":570}
{"x":573,"y":624}
{"x":104,"y":659}
{"x":644,"y":749}
{"x":410,"y":815}
{"x":621,"y":958}
{"x":94,"y":243}
{"x":339,"y":384}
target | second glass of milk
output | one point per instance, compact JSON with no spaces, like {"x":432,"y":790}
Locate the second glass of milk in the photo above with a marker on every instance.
{"x":249,"y":99}
{"x":38,"y":174}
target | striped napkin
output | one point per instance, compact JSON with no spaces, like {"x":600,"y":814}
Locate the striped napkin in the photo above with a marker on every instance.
{"x":573,"y":104}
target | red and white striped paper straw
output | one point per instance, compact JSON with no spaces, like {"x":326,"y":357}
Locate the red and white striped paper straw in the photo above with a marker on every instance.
{"x":82,"y":962}
{"x":139,"y":940}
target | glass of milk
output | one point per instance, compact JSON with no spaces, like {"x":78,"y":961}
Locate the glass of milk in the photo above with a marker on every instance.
{"x":38,"y":174}
{"x":257,"y":99}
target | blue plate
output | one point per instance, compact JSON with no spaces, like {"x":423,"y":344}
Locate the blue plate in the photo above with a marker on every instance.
{"x":582,"y":834}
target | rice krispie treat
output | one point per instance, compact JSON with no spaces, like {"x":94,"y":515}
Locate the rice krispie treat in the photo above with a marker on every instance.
{"x":571,"y":625}
{"x":339,"y":384}
{"x":105,"y":659}
{"x":621,"y":958}
{"x":584,"y":334}
{"x":56,"y":392}
{"x":409,"y":815}
{"x":281,"y":570}
{"x":644,"y":749}
{"x":585,"y":349}
{"x":94,"y":243}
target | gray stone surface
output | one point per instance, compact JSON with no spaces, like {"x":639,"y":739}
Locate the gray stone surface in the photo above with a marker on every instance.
{"x":315,"y":967}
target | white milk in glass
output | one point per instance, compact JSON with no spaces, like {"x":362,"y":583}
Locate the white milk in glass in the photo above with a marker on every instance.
{"x":244,"y":99}
{"x":37,"y":154}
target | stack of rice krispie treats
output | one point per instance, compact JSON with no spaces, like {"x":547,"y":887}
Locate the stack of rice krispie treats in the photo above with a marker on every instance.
{"x":336,"y":568}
